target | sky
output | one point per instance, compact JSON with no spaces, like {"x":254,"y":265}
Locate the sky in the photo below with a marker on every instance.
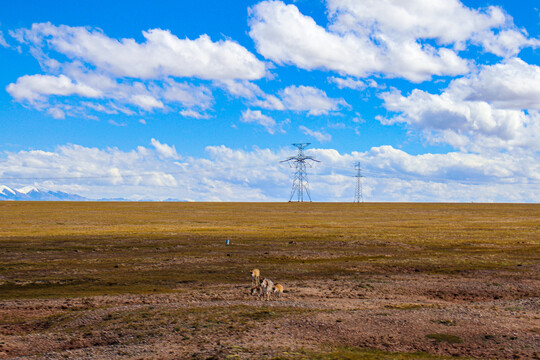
{"x":439,"y":100}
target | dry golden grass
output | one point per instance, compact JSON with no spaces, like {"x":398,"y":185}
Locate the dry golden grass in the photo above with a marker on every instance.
{"x":50,"y":249}
{"x":173,"y":289}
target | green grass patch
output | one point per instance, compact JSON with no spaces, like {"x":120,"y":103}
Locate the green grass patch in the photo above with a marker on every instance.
{"x":452,"y":339}
{"x":353,"y":353}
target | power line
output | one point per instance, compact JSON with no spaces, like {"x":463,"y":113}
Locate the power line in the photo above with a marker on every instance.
{"x":125,"y":175}
{"x":381,"y":174}
{"x":373,"y":173}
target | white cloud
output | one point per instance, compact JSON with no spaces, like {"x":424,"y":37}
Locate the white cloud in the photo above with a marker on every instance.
{"x":115,"y":123}
{"x":123,"y":76}
{"x":496,"y":107}
{"x":165,"y":150}
{"x":162,"y":54}
{"x":255,"y":116}
{"x":349,"y":83}
{"x":56,"y":113}
{"x":506,"y":43}
{"x":394,"y":175}
{"x":32,"y":87}
{"x":194,"y":114}
{"x":302,"y":98}
{"x":448,"y":21}
{"x":512,"y":84}
{"x":284,"y":35}
{"x":188,"y":95}
{"x":256,"y":175}
{"x":252,"y":92}
{"x":99,"y":107}
{"x":295,"y":98}
{"x":270,"y":102}
{"x":241,"y":88}
{"x":387,"y":37}
{"x":146,"y":102}
{"x":321,"y":137}
{"x":3,"y":40}
{"x":310,"y":99}
{"x":121,"y":96}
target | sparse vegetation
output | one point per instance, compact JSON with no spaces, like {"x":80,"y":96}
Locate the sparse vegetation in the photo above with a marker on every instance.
{"x":452,"y":339}
{"x":159,"y":276}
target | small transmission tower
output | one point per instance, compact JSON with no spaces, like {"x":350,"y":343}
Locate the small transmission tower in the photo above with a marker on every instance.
{"x":300,"y":182}
{"x":358,"y":197}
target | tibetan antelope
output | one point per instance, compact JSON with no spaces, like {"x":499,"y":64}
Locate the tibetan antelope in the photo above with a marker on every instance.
{"x":256,"y":291}
{"x":278,"y":290}
{"x":255,"y":277}
{"x":267,"y":286}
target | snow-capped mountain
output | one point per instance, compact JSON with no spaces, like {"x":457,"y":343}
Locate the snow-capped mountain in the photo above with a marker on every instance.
{"x":30,"y":193}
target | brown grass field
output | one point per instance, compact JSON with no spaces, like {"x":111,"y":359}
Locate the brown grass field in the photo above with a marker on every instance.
{"x":84,"y":280}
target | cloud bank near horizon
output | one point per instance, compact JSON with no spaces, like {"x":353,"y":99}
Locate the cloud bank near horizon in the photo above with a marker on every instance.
{"x":159,"y":172}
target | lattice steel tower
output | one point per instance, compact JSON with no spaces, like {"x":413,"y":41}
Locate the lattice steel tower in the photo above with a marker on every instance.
{"x":358,"y":197}
{"x":300,"y":182}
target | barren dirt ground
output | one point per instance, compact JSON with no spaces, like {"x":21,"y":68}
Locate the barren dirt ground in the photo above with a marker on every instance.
{"x":491,"y":316}
{"x":365,"y":296}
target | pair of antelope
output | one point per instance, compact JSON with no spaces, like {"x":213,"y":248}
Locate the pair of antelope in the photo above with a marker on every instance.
{"x":264,"y":288}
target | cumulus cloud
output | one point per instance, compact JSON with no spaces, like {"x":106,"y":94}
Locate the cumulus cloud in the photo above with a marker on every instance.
{"x":33,"y":87}
{"x":286,"y":36}
{"x":56,"y":113}
{"x":122,"y":76}
{"x":146,"y":102}
{"x":188,"y":95}
{"x":241,"y":88}
{"x":505,"y":43}
{"x":226,"y":174}
{"x":165,"y":150}
{"x":109,"y":96}
{"x":496,"y":107}
{"x":390,"y":37}
{"x":194,"y":114}
{"x":255,"y":116}
{"x":161,"y":55}
{"x":320,"y":136}
{"x":302,"y":98}
{"x":512,"y":84}
{"x":348,"y":82}
{"x":310,"y":99}
{"x":394,"y":175}
{"x":448,"y":21}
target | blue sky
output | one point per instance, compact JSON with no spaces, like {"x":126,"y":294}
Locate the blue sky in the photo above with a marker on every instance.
{"x":439,"y":100}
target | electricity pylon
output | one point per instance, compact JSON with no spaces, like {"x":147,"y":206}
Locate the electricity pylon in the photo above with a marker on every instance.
{"x":358,"y":197}
{"x":300,"y":182}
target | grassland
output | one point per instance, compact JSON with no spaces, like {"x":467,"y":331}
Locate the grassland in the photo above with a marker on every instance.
{"x":156,"y":280}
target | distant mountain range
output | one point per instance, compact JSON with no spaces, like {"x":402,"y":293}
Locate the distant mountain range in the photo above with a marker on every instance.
{"x":30,"y":193}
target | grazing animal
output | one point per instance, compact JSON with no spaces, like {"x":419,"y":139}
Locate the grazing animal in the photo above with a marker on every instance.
{"x":267,"y":286}
{"x":256,"y":291}
{"x":255,"y":277}
{"x":278,"y":290}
